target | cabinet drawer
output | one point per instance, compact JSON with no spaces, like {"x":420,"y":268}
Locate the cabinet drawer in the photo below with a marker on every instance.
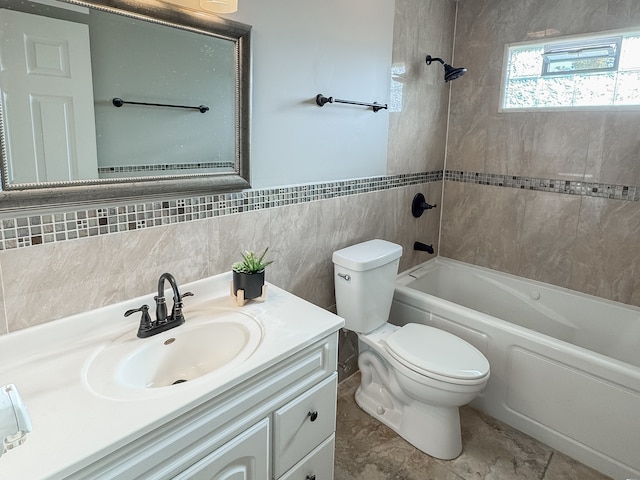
{"x":300,"y":425}
{"x":318,"y":465}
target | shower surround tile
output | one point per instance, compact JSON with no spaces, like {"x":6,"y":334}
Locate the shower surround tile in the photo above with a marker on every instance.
{"x":419,"y":99}
{"x":586,"y":154}
{"x":548,"y":232}
{"x":620,"y":150}
{"x":523,"y":226}
{"x":494,"y":215}
{"x":606,"y":261}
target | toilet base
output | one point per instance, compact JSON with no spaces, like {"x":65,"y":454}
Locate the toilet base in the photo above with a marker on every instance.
{"x":435,"y":430}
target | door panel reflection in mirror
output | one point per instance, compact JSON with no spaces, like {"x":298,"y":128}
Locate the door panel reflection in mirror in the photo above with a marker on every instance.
{"x":48,"y":94}
{"x":60,"y":127}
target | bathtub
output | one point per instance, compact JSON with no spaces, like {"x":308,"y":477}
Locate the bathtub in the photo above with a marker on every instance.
{"x":565,"y":366}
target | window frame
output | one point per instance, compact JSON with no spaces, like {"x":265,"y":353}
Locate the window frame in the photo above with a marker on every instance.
{"x":568,"y":39}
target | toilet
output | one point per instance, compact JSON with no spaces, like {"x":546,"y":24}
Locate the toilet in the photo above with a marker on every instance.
{"x":413,"y":378}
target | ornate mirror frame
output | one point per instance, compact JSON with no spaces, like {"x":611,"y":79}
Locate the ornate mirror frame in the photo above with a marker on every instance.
{"x":87,"y":192}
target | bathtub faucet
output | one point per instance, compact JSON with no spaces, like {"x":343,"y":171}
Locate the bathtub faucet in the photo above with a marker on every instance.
{"x":423,"y":247}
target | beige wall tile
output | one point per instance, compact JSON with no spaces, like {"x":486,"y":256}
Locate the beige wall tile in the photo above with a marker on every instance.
{"x":548,"y":237}
{"x":620,"y":160}
{"x":231,"y":235}
{"x":180,"y":249}
{"x":606,"y":259}
{"x":52,"y":281}
{"x":622,"y":13}
{"x":418,"y":127}
{"x":460,"y":222}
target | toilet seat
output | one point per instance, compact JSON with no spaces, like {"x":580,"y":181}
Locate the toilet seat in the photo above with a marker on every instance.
{"x":437,"y":354}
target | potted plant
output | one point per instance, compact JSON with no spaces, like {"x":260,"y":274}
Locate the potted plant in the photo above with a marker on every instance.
{"x":248,"y":275}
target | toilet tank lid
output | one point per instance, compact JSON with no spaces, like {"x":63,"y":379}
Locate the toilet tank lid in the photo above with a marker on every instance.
{"x":367,"y":255}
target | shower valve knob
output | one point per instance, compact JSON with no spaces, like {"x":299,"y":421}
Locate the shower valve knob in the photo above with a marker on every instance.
{"x":419,"y":205}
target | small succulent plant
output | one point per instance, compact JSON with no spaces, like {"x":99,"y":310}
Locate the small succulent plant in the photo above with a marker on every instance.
{"x":251,"y":262}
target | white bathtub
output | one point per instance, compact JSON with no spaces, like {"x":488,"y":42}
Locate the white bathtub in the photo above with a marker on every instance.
{"x":565,"y":366}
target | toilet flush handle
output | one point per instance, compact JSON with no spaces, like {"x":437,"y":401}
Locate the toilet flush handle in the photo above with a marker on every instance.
{"x":346,"y":276}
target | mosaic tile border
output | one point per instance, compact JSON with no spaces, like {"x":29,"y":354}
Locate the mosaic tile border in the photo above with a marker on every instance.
{"x":163,"y":167}
{"x":35,"y":230}
{"x":590,"y":189}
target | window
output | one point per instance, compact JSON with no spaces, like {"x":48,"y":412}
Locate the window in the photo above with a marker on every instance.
{"x":593,"y":71}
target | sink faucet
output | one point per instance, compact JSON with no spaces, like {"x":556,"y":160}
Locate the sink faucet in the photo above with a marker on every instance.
{"x":161,"y":304}
{"x":163,"y":322}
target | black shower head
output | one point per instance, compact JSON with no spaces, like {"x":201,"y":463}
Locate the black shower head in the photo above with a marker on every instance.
{"x":450,"y":73}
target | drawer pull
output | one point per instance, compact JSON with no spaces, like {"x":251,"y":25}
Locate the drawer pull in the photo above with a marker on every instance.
{"x":313,"y":416}
{"x":311,"y":477}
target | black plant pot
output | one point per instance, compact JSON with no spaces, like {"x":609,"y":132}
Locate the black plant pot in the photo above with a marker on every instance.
{"x":251,"y":283}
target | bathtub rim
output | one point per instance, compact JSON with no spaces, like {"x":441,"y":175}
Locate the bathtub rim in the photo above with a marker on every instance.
{"x":604,"y":364}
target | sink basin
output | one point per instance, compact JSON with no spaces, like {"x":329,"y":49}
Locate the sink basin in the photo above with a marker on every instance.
{"x":208,"y":343}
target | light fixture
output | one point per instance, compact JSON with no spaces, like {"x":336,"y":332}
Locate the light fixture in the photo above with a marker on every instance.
{"x":219,"y":6}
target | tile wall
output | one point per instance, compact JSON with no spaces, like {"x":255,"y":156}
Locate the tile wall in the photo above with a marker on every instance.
{"x":588,"y":240}
{"x":84,"y":264}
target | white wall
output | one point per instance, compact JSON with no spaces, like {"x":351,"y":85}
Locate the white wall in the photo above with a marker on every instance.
{"x":302,"y":48}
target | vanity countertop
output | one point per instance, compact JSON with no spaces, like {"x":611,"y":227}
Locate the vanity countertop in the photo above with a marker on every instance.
{"x":74,"y":424}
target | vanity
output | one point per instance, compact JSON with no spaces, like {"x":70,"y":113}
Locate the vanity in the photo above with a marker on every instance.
{"x":233,"y":393}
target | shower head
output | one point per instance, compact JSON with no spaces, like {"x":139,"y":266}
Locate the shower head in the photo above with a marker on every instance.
{"x":450,"y":73}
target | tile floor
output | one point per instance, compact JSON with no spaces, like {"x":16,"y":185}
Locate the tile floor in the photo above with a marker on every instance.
{"x":368,"y":450}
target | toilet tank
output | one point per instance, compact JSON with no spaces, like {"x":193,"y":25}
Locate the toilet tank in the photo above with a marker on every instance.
{"x":365,"y":278}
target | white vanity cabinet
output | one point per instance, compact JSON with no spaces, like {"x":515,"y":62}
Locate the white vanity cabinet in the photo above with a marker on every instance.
{"x":278,"y":424}
{"x":99,"y":412}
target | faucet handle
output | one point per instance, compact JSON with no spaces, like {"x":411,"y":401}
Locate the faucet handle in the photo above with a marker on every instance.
{"x":145,"y":320}
{"x":176,"y":311}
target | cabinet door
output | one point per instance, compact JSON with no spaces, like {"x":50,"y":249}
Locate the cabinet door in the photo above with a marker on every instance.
{"x":246,"y":457}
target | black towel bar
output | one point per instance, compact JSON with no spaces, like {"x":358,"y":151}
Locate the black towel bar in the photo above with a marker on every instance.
{"x":321,"y":100}
{"x":118,"y":102}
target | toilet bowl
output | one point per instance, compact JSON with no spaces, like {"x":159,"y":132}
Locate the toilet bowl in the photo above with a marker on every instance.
{"x":413,"y":378}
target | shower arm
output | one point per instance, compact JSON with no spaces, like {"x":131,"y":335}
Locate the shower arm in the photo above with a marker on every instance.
{"x":434,"y":59}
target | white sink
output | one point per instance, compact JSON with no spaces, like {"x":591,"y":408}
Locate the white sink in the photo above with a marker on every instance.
{"x":209,"y":343}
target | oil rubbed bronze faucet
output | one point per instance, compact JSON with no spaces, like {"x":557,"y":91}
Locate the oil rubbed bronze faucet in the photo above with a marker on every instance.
{"x":163,"y":322}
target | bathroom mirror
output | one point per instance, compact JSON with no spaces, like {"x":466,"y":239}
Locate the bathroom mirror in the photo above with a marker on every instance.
{"x":120,"y":100}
